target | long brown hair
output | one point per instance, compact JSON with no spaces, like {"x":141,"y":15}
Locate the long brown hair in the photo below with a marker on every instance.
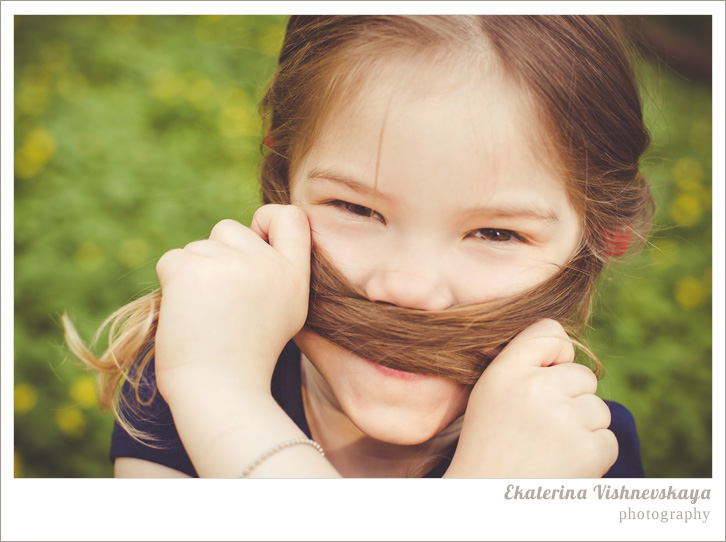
{"x":577,"y":73}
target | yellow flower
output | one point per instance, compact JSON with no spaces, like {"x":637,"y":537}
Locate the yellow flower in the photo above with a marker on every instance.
{"x":89,"y":256}
{"x":238,"y":121}
{"x":237,"y":97}
{"x":25,"y":398}
{"x":686,"y":210}
{"x":40,"y":145}
{"x":38,"y":148}
{"x":664,"y":252}
{"x":70,"y":421}
{"x":206,"y":28}
{"x":166,"y":86}
{"x":200,"y":91}
{"x":688,"y":174}
{"x":24,"y":165}
{"x":708,"y":280}
{"x":18,"y":468}
{"x":239,"y":115}
{"x":689,"y":293}
{"x":122,"y":23}
{"x":83,"y":391}
{"x":269,"y":41}
{"x":133,"y":253}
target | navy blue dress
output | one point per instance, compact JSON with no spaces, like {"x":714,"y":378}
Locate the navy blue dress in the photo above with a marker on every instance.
{"x":287,"y":391}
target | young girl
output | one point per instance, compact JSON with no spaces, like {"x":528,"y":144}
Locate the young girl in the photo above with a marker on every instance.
{"x":441,"y":194}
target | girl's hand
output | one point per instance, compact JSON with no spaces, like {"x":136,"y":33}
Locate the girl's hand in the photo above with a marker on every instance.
{"x":231,"y":303}
{"x":533,"y":414}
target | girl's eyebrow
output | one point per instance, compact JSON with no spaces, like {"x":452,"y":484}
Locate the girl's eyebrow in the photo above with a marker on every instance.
{"x":346,"y":180}
{"x":528,"y":211}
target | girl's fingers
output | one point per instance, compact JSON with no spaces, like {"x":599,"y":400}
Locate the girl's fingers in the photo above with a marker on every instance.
{"x":594,"y":412}
{"x":205,"y":247}
{"x":167,"y":261}
{"x":542,"y":344}
{"x":572,"y":378}
{"x":286,"y":229}
{"x":233,"y":234}
{"x":605,"y":447}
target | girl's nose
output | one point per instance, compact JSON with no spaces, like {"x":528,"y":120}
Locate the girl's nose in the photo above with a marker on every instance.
{"x":412,"y":285}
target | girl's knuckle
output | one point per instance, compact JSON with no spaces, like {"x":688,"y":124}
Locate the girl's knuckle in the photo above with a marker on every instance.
{"x":603,"y":447}
{"x":607,"y":416}
{"x":551,"y":327}
{"x":587,"y":375}
{"x":295,"y":211}
{"x":223,"y":227}
{"x":611,"y":448}
{"x":167,"y":260}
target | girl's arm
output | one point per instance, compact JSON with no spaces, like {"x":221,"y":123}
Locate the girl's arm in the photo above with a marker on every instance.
{"x":534,"y":414}
{"x":229,"y":306}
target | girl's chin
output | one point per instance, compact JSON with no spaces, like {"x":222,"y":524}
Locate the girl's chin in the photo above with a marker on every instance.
{"x":389,"y":405}
{"x":403,"y":426}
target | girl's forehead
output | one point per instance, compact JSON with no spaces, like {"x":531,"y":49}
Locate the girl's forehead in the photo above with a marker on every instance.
{"x":471,"y":119}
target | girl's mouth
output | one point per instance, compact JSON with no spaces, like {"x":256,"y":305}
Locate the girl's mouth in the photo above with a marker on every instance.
{"x":395,"y":373}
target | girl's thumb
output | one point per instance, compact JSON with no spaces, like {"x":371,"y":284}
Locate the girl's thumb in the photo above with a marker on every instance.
{"x":287,"y":229}
{"x":542,"y":344}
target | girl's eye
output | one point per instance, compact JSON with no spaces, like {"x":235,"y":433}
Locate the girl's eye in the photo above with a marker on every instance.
{"x":498,"y":235}
{"x":358,"y":210}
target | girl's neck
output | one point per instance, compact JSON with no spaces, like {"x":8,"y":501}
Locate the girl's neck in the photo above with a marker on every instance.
{"x":353,"y":453}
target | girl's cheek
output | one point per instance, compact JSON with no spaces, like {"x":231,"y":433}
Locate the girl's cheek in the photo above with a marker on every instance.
{"x":343,"y":238}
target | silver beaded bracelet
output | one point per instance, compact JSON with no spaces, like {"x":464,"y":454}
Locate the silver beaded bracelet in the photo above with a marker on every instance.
{"x":277,"y":448}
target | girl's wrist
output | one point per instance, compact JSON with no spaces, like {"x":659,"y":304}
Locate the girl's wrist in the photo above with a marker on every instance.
{"x":206,"y":384}
{"x":226,"y":434}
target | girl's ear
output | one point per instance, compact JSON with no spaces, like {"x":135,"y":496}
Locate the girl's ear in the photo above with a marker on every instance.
{"x":618,"y":241}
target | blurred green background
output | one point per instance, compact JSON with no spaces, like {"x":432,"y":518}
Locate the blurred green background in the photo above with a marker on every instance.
{"x":135,"y":135}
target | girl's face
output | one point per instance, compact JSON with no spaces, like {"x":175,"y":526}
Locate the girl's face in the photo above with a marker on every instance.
{"x":428,"y":191}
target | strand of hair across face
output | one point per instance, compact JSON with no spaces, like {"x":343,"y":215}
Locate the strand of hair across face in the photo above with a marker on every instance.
{"x":456,"y":343}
